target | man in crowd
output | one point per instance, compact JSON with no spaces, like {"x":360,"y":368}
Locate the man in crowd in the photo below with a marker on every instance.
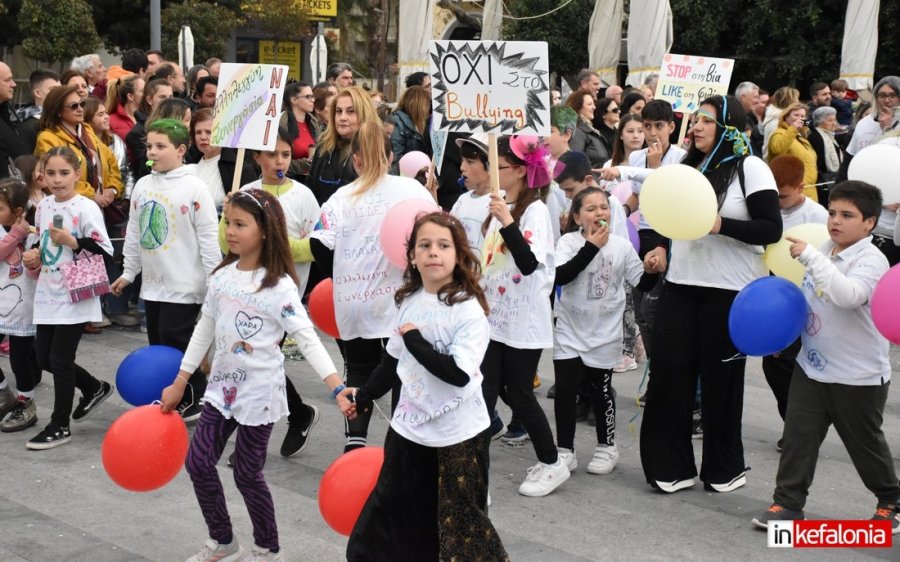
{"x":615,"y":93}
{"x":41,"y":82}
{"x":154,"y":58}
{"x":11,"y":143}
{"x":205,"y":94}
{"x":94,"y":73}
{"x":172,"y":73}
{"x":589,"y":80}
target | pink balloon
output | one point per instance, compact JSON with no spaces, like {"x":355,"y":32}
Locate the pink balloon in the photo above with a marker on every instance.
{"x":622,"y":191}
{"x":633,"y":235}
{"x":397,"y":227}
{"x":412,"y":163}
{"x":886,"y":305}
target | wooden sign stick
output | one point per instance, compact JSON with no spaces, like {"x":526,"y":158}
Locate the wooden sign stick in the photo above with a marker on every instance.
{"x":493,"y":163}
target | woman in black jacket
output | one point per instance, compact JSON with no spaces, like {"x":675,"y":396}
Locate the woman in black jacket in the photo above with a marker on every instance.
{"x":411,"y":124}
{"x":586,"y":138}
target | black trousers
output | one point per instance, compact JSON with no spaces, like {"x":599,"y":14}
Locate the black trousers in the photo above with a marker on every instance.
{"x":361,"y":356}
{"x":570,"y":374}
{"x":779,"y":371}
{"x":691,"y":337}
{"x":55,"y":347}
{"x":23,"y":361}
{"x":172,"y":324}
{"x":512,"y":370}
{"x":857,"y":413}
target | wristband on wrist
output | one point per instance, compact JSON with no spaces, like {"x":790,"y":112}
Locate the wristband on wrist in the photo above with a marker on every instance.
{"x":627,"y":208}
{"x":182,"y":378}
{"x":337,"y":390}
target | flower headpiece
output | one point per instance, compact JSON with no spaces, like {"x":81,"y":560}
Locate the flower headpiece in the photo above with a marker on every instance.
{"x":532,"y":150}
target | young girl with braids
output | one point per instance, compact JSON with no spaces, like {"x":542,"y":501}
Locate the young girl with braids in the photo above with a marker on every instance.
{"x":428,"y":503}
{"x":251,"y":302}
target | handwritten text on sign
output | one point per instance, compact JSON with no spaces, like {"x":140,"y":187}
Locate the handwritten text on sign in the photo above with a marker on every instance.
{"x":685,"y":80}
{"x":490,"y":86}
{"x":248,"y":103}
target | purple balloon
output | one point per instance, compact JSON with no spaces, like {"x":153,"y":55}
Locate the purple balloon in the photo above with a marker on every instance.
{"x":633,"y":236}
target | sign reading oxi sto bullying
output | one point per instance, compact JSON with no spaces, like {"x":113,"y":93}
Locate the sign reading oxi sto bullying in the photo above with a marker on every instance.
{"x":490,"y":86}
{"x":685,"y":80}
{"x":248,"y":105}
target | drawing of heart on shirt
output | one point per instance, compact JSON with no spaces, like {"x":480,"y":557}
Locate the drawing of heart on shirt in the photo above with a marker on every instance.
{"x":230,"y":395}
{"x":246,"y":325}
{"x":10,"y":297}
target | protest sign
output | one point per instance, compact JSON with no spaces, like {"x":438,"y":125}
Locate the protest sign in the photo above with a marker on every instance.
{"x":490,"y":86}
{"x":248,"y":104}
{"x":686,"y":80}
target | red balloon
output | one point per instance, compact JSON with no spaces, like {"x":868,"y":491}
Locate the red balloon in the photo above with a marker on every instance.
{"x":144,"y":449}
{"x":346,"y":486}
{"x":321,"y":308}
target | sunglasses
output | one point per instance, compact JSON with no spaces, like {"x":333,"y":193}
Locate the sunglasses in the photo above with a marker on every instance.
{"x":75,"y":106}
{"x":616,"y":110}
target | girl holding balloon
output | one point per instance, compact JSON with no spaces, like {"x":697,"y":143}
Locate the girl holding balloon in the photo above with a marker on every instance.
{"x":348,"y":235}
{"x":691,"y":335}
{"x":251,"y":302}
{"x":428,"y":503}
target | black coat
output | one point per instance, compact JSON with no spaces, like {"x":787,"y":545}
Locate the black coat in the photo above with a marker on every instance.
{"x":587,"y":139}
{"x":329,"y":172}
{"x":12,"y":145}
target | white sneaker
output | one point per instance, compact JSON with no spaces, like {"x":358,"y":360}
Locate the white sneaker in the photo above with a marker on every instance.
{"x":673,"y":486}
{"x":737,"y":482}
{"x":258,"y":554}
{"x":215,"y":552}
{"x":568,"y":458}
{"x":626,"y":364}
{"x":544,"y":478}
{"x":605,"y":459}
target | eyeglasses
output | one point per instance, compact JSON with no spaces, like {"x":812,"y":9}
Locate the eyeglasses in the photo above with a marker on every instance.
{"x":75,"y":106}
{"x":887,"y":96}
{"x":308,"y":97}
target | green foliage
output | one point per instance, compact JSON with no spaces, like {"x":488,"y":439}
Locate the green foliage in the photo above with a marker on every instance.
{"x":565,"y":31}
{"x":123,"y":24}
{"x":276,"y":19}
{"x":57,"y":30}
{"x":211,"y":26}
{"x":9,"y":23}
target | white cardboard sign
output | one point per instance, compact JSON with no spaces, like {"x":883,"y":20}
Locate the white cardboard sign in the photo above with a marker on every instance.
{"x":248,"y":105}
{"x":686,"y":80}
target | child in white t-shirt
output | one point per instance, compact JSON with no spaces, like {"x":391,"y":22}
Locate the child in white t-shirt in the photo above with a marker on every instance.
{"x":472,"y":207}
{"x":16,"y":308}
{"x":67,"y":223}
{"x":251,"y":302}
{"x":431,"y":493}
{"x":171,"y":242}
{"x":593,"y":269}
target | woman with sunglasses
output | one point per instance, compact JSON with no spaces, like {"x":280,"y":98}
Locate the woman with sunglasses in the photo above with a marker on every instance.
{"x":63,"y":124}
{"x":606,"y":120}
{"x":332,"y":164}
{"x":299,"y":119}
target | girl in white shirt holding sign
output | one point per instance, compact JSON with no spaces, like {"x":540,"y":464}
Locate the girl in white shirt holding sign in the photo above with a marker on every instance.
{"x":251,"y":302}
{"x":518,"y":268}
{"x":348,"y":234}
{"x":431,"y":492}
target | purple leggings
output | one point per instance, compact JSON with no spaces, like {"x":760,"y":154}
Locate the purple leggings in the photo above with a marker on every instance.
{"x":210,"y":436}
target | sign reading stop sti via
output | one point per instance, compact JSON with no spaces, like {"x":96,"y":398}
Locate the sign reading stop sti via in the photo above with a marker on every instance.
{"x":686,"y":80}
{"x":248,"y":105}
{"x":490,"y":86}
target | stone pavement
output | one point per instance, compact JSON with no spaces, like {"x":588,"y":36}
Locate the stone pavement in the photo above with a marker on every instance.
{"x":59,"y":505}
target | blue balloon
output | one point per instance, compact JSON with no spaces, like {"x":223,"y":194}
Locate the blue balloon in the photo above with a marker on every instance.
{"x":144,"y":374}
{"x":767,"y":316}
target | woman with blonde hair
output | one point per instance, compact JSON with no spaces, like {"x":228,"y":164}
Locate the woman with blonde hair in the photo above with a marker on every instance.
{"x":791,"y":137}
{"x":783,"y":97}
{"x":123,"y":98}
{"x":411,"y":122}
{"x":332,"y":166}
{"x":351,"y":222}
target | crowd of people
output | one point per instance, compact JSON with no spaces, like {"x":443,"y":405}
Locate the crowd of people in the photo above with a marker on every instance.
{"x":113,"y":171}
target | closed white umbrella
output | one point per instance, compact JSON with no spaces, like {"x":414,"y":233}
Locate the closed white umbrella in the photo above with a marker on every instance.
{"x":415,"y":32}
{"x":860,"y":43}
{"x":185,"y":47}
{"x":649,"y":38}
{"x":491,"y":20}
{"x":605,"y":39}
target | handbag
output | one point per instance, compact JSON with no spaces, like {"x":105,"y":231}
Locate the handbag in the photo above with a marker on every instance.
{"x":85,"y":277}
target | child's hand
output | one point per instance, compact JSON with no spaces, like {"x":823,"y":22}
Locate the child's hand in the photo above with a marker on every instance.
{"x":610,"y":173}
{"x":717,"y":226}
{"x":63,"y":237}
{"x":119,"y":285}
{"x":172,"y":394}
{"x":500,"y":210}
{"x":654,"y":155}
{"x":21,"y":223}
{"x":797,"y":246}
{"x":32,"y":258}
{"x":655,"y":261}
{"x":347,"y":407}
{"x":598,"y":234}
{"x":407,"y":327}
{"x":431,"y":183}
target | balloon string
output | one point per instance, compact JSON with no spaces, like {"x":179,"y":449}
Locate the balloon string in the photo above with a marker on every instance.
{"x":387,"y":419}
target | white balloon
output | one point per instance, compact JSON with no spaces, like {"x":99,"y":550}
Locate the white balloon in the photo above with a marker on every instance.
{"x":878,"y":164}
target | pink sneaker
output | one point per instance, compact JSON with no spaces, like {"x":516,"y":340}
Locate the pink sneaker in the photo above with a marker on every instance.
{"x":4,"y":348}
{"x":626,"y":364}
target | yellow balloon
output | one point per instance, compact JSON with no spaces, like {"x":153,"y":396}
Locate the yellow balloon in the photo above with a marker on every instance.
{"x":778,"y":255}
{"x":679,"y":202}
